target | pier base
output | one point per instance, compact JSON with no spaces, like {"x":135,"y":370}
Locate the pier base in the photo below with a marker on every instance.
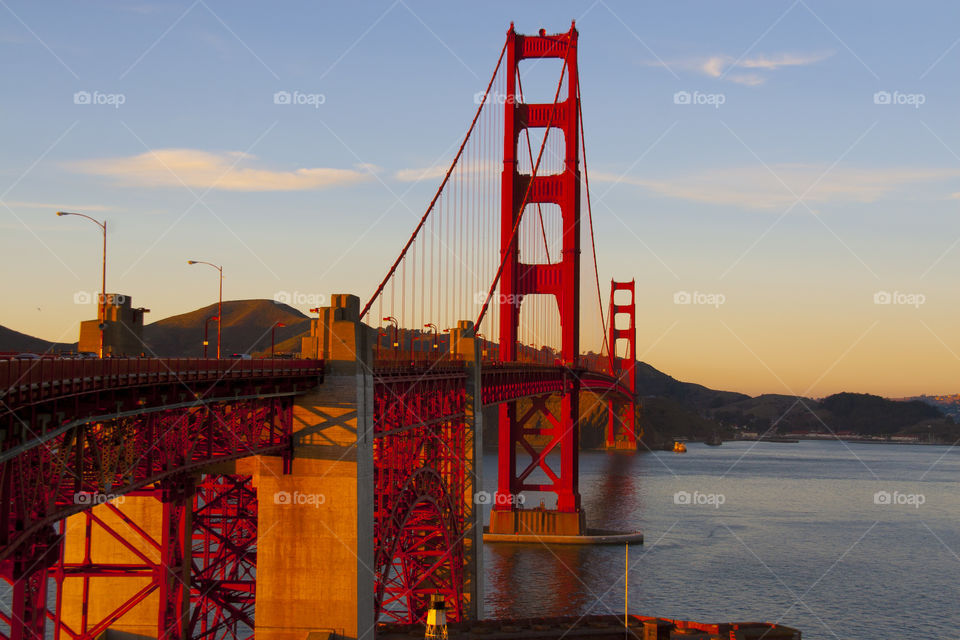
{"x":622,"y":445}
{"x":538,"y":522}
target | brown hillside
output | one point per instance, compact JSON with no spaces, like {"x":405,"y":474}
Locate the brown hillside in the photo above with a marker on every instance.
{"x":246,"y":329}
{"x":15,"y":341}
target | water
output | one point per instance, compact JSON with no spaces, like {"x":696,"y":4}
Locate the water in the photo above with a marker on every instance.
{"x":798,"y":539}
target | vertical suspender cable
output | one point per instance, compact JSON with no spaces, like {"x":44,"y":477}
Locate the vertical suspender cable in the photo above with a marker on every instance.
{"x":446,"y":177}
{"x":593,"y":242}
{"x":526,"y":196}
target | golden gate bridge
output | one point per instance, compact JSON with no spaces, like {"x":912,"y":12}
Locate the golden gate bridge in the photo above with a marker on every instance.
{"x":157,"y":495}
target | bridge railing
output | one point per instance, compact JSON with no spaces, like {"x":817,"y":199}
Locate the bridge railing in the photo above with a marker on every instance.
{"x":26,"y":381}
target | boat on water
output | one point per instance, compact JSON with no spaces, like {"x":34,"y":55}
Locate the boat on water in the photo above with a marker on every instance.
{"x":679,"y":447}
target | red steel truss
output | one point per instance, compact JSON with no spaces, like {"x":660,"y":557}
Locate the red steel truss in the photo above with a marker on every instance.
{"x":64,"y":474}
{"x":559,"y":279}
{"x":217,"y":517}
{"x":223,"y":581}
{"x":422,"y":465}
{"x":622,"y":410}
{"x":87,"y":463}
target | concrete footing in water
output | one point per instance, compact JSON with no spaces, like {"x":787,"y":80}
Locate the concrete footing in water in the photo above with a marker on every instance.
{"x":591,"y":537}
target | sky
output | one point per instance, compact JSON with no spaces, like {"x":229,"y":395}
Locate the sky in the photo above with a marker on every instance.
{"x":781,"y":178}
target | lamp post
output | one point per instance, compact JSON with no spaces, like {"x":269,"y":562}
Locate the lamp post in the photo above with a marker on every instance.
{"x":103,"y":271}
{"x":483,"y":345}
{"x":396,"y":329}
{"x":316,"y":334}
{"x":219,"y":299}
{"x":273,"y":335}
{"x":206,"y":329}
{"x":436,"y":329}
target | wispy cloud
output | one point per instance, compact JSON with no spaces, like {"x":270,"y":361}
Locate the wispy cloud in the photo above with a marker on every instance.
{"x":425,"y":173}
{"x":743,"y":71}
{"x":437,"y":172}
{"x":52,"y":206}
{"x":206,"y":170}
{"x":757,"y":188}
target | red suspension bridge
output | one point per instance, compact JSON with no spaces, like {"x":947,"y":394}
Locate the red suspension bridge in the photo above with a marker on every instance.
{"x":212,"y":498}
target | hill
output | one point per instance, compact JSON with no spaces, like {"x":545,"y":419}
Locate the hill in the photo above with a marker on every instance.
{"x":652,"y":382}
{"x":867,"y":414}
{"x":782,"y":412}
{"x":949,"y":404}
{"x":246,"y":329}
{"x":15,"y":341}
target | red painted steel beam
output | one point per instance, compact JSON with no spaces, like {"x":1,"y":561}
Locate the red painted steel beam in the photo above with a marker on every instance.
{"x":66,"y":474}
{"x":420,"y":465}
{"x":561,"y":280}
{"x":622,"y":411}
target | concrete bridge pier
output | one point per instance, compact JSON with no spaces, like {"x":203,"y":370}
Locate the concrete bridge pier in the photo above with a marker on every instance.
{"x":315,"y":556}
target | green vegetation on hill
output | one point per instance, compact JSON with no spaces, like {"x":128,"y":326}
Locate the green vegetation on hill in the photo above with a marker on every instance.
{"x":868,"y":414}
{"x":664,"y":420}
{"x":781,"y":412}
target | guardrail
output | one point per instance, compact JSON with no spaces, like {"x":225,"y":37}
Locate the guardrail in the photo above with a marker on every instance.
{"x":25,"y":381}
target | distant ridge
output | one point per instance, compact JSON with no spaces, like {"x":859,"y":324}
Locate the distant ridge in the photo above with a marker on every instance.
{"x":15,"y":341}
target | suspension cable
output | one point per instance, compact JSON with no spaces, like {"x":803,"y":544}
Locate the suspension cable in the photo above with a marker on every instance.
{"x":593,"y":242}
{"x":526,"y":197}
{"x":446,"y":177}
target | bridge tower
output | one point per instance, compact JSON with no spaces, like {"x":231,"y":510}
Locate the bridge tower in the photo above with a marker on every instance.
{"x":623,"y":414}
{"x":560,"y":279}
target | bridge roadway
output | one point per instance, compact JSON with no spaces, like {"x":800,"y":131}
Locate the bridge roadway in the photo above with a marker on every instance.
{"x":72,"y":429}
{"x":55,"y":403}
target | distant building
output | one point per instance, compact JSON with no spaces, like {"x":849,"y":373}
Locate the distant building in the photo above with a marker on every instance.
{"x":122,"y":330}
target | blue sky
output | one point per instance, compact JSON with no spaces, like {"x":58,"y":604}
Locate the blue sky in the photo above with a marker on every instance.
{"x":798,"y":198}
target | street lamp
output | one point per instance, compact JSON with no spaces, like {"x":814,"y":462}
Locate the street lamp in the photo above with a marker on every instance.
{"x":103,"y":272}
{"x":431,"y":325}
{"x":483,"y":345}
{"x":273,"y":335}
{"x":220,"y":299}
{"x":316,"y":336}
{"x":396,"y":329}
{"x":206,"y":329}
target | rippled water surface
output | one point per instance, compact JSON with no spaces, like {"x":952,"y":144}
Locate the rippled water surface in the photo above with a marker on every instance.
{"x":799,"y":538}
